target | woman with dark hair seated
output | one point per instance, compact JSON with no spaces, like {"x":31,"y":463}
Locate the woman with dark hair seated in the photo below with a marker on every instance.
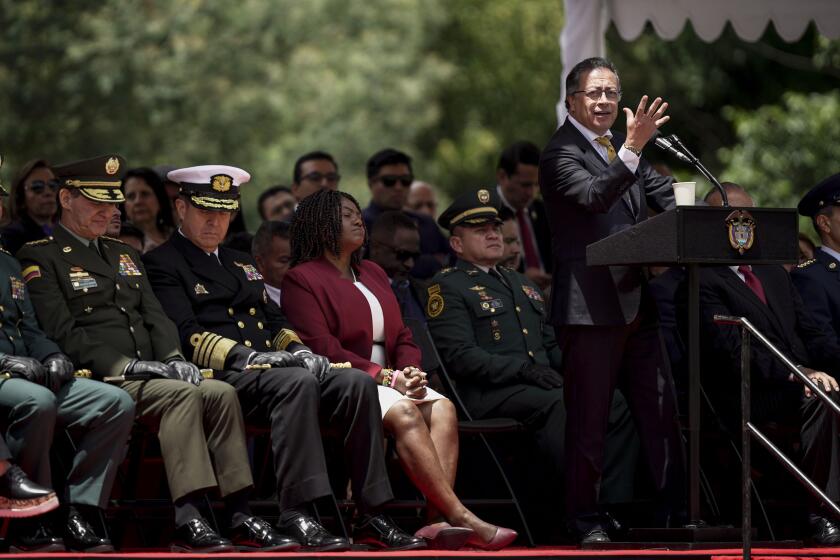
{"x":147,"y":206}
{"x":344,"y":309}
{"x":33,"y":205}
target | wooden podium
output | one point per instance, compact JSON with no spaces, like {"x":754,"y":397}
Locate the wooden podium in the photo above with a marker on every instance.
{"x":691,"y":236}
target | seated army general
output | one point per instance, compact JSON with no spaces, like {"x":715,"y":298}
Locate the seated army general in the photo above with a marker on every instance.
{"x":218,"y":300}
{"x":489,"y":324}
{"x":39,"y":396}
{"x":93,"y":297}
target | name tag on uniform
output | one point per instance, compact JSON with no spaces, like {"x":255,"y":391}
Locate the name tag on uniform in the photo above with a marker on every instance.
{"x":18,"y":289}
{"x":127,"y":266}
{"x":250,"y":270}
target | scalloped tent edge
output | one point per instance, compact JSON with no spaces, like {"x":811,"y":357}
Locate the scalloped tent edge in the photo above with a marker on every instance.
{"x":587,"y":21}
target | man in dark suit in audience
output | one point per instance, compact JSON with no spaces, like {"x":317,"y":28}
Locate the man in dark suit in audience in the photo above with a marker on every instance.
{"x":594,"y":184}
{"x":516,"y":175}
{"x":394,"y":245}
{"x":765,"y":295}
{"x":818,"y":279}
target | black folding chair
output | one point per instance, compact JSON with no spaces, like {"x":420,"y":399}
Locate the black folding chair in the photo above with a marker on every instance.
{"x":467,"y":425}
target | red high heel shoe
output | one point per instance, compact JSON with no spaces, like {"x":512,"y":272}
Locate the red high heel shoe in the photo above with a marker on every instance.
{"x":443,"y":536}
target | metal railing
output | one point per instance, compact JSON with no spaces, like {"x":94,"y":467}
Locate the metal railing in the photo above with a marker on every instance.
{"x":749,"y":429}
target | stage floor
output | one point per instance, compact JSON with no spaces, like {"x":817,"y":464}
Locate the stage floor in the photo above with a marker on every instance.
{"x":565,"y":553}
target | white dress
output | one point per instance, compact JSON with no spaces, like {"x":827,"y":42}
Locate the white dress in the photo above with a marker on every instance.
{"x":387,"y":395}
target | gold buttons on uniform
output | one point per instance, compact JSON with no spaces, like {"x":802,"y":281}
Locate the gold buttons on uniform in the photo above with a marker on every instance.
{"x":230,"y":311}
{"x":524,"y":331}
{"x":118,"y":287}
{"x":11,"y":338}
{"x":252,"y":311}
{"x":268,"y":344}
{"x":131,"y":329}
{"x":248,"y":343}
{"x":138,"y":353}
{"x":85,"y":290}
{"x":260,"y":324}
{"x":137,"y":284}
{"x":530,"y":353}
{"x":240,"y":324}
{"x":492,"y":310}
{"x":122,"y":309}
{"x":518,"y":309}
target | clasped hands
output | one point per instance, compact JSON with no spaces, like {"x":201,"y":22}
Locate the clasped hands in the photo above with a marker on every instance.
{"x":175,"y":368}
{"x":411,"y":382}
{"x":52,"y":373}
{"x":317,"y":365}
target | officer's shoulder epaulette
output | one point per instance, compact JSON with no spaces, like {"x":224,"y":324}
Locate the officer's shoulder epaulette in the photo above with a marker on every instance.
{"x":39,"y":242}
{"x":445,"y":271}
{"x":505,"y":268}
{"x":807,"y":263}
{"x":113,"y":239}
{"x":2,"y":250}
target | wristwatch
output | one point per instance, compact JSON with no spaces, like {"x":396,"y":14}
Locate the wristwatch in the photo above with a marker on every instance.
{"x":633,"y":149}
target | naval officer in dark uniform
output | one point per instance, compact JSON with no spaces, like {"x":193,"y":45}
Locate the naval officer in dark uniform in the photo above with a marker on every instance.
{"x":39,"y":396}
{"x":818,"y":280}
{"x":92,"y":296}
{"x":490,"y":326}
{"x":217,"y":298}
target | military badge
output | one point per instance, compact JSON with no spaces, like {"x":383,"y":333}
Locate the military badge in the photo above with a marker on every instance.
{"x":66,"y":249}
{"x":478,"y":288}
{"x":112,"y":166}
{"x":532,"y":293}
{"x":200,"y":290}
{"x":741,"y":228}
{"x":221,"y":183}
{"x":18,"y":288}
{"x":495,"y":331}
{"x":82,"y":281}
{"x":250,"y":271}
{"x":127,"y":266}
{"x":31,"y":273}
{"x":434,"y":307}
{"x":832,"y":266}
{"x":483,"y":196}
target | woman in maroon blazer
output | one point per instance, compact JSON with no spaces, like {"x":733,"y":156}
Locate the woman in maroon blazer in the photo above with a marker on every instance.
{"x":343,"y":308}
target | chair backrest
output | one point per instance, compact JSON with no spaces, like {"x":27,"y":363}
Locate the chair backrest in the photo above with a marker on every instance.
{"x":432,"y":362}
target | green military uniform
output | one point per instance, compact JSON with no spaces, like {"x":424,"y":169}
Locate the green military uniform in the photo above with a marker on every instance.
{"x":97,"y":417}
{"x":97,"y":303}
{"x":489,"y":324}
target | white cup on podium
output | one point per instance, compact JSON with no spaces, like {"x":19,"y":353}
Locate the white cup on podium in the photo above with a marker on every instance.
{"x":684,"y":193}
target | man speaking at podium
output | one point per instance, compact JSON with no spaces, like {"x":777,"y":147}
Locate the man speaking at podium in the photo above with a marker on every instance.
{"x":594,"y":184}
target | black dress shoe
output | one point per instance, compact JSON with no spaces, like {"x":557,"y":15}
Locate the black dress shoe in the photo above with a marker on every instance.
{"x":312,"y":536}
{"x":826,"y":532}
{"x":35,"y":537}
{"x":380,"y":531}
{"x":255,"y":535}
{"x":595,"y":536}
{"x":196,"y":536}
{"x":20,"y":497}
{"x":80,"y":536}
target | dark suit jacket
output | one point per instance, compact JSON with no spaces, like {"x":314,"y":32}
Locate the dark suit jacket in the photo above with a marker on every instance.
{"x":588,"y":199}
{"x":222,"y":312}
{"x":785,"y":322}
{"x":818,"y":283}
{"x":333,"y":317}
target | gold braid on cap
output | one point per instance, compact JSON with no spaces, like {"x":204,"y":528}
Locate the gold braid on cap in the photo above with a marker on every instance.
{"x":284,"y":338}
{"x":211,"y":350}
{"x":220,"y":203}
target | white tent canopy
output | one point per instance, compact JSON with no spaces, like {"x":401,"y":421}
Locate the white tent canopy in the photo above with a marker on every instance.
{"x":587,"y":21}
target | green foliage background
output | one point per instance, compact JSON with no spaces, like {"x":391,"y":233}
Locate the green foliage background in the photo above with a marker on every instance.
{"x":255,"y":83}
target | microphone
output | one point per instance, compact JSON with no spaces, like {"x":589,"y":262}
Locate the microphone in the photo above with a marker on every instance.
{"x":667,"y":144}
{"x":673,"y":145}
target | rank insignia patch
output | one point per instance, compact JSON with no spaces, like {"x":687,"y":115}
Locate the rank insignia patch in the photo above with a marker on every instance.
{"x":200,"y":289}
{"x":127,"y":266}
{"x":18,"y":288}
{"x":250,"y":271}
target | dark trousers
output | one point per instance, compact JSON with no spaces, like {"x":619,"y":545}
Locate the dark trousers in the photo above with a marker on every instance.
{"x":297,"y":408}
{"x":596,"y":361}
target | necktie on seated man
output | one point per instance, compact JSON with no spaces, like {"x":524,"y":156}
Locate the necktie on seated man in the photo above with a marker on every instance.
{"x":753,"y":283}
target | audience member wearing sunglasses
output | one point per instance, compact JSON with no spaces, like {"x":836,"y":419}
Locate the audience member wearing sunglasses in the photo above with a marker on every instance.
{"x":389,"y":177}
{"x":32,"y":206}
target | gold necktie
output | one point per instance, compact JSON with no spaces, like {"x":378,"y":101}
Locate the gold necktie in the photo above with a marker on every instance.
{"x":605,"y":142}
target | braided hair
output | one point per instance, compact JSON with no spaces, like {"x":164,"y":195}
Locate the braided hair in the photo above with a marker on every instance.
{"x":316,"y":227}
